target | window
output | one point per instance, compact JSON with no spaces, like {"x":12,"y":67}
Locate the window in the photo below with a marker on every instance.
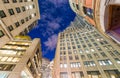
{"x":65,"y":65}
{"x":78,"y":46}
{"x":73,"y":4}
{"x":77,"y":75}
{"x":99,"y":49}
{"x":14,"y":1}
{"x":26,"y":18}
{"x":10,"y":28}
{"x":18,"y":10}
{"x":1,"y":33}
{"x":20,"y":0}
{"x":11,"y":12}
{"x":83,"y":57}
{"x":69,"y":52}
{"x":33,"y":6}
{"x":75,"y":64}
{"x":22,"y":21}
{"x":61,"y":65}
{"x":103,"y":54}
{"x":25,"y":0}
{"x":17,"y":24}
{"x":7,"y":67}
{"x":96,"y":55}
{"x":63,"y":75}
{"x":30,"y":17}
{"x":76,"y":57}
{"x":70,"y":58}
{"x":74,"y":47}
{"x":117,"y":53}
{"x":77,"y":6}
{"x":117,"y":60}
{"x":69,"y":47}
{"x":89,"y":63}
{"x":89,"y":56}
{"x":23,"y":8}
{"x":6,"y":1}
{"x":2,"y":14}
{"x":80,"y":51}
{"x":105,"y":62}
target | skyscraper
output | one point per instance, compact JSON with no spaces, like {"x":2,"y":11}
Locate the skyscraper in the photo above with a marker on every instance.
{"x":45,"y":70}
{"x":21,"y":58}
{"x":83,"y":52}
{"x":103,"y":14}
{"x":17,"y":17}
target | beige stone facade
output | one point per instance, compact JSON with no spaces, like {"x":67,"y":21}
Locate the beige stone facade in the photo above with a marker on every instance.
{"x":102,"y":14}
{"x":17,"y":17}
{"x":83,"y":52}
{"x":21,"y":59}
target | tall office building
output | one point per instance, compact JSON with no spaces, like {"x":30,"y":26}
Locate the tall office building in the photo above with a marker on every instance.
{"x":21,"y":58}
{"x":83,"y":52}
{"x":103,"y":14}
{"x":45,"y":70}
{"x":17,"y":17}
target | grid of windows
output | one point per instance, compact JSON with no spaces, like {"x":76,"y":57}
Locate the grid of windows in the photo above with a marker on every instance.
{"x":84,"y":45}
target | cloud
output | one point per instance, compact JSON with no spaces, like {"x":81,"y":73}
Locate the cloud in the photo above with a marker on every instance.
{"x":51,"y":42}
{"x":54,"y":25}
{"x":58,"y":3}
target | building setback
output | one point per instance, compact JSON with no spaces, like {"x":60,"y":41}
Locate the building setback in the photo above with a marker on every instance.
{"x":83,"y":52}
{"x":17,"y":17}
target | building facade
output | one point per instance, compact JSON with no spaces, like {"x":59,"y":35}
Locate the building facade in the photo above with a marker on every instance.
{"x":21,"y":59}
{"x":46,"y":68}
{"x":17,"y":17}
{"x":103,"y":14}
{"x":83,"y":52}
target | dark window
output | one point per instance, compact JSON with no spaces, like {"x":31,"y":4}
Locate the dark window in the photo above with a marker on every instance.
{"x":70,"y":58}
{"x":89,"y":56}
{"x":35,"y":14}
{"x":1,"y":33}
{"x":25,"y":0}
{"x":2,"y":14}
{"x":33,"y":6}
{"x":20,"y":0}
{"x":17,"y":24}
{"x":77,"y":6}
{"x":83,"y":57}
{"x":18,"y":10}
{"x":76,"y":57}
{"x":14,"y":1}
{"x":10,"y":28}
{"x":88,"y":12}
{"x":23,"y":8}
{"x":11,"y":12}
{"x":6,"y":1}
{"x":22,"y":21}
{"x":103,"y":54}
{"x":30,"y":17}
{"x":73,"y":4}
{"x":26,"y":18}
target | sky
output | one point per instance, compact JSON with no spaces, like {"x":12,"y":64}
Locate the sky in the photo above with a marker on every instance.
{"x":56,"y":15}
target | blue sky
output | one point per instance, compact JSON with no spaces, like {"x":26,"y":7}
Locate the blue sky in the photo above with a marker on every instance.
{"x":56,"y":15}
